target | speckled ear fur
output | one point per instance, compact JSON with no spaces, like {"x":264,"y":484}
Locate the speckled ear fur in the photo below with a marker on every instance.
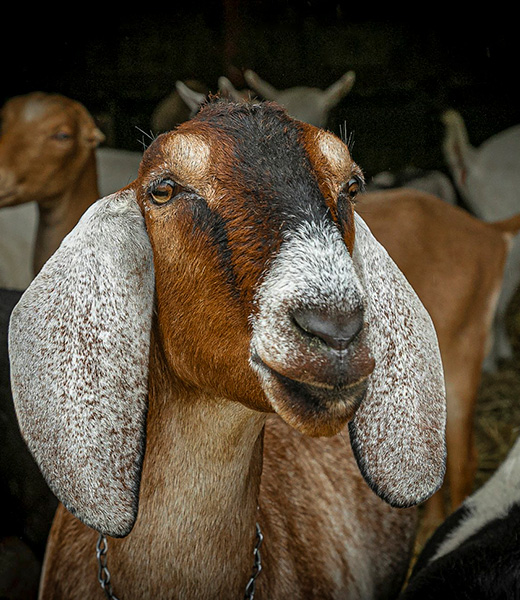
{"x":398,"y":434}
{"x":79,"y":345}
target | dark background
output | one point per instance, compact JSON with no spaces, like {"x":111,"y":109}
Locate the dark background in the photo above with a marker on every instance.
{"x":408,"y":69}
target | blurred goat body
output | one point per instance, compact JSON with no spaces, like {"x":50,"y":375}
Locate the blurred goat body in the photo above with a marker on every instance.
{"x":455,"y":263}
{"x":488,"y":179}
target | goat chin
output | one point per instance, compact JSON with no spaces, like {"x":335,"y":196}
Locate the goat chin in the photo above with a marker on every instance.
{"x":311,"y":409}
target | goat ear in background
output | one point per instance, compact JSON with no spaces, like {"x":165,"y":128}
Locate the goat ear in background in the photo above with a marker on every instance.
{"x":398,"y":433}
{"x":79,"y":344}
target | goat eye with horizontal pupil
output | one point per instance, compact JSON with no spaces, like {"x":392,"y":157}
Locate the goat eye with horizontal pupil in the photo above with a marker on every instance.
{"x":164,"y":192}
{"x":353,"y":188}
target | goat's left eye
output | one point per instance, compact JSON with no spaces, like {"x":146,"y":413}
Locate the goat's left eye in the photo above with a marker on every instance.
{"x":165,"y":191}
{"x":353,"y":188}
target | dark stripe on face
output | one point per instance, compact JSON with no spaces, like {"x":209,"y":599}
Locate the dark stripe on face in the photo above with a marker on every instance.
{"x":264,"y":184}
{"x":346,"y":220}
{"x":210,"y":223}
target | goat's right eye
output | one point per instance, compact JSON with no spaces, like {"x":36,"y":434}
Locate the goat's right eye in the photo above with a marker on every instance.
{"x":62,"y":136}
{"x":165,"y":191}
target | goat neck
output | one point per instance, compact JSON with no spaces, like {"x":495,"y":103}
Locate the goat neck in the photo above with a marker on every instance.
{"x":200,"y":482}
{"x":60,"y":213}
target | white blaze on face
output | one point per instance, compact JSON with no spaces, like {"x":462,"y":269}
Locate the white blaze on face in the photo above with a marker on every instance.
{"x":188,"y":157}
{"x":313,"y":269}
{"x":33,"y":110}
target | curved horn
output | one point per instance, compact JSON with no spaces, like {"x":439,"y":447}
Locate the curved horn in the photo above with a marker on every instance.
{"x":260,"y":86}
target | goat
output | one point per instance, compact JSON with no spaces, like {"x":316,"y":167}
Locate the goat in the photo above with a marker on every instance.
{"x":231,"y":309}
{"x":48,"y":177}
{"x":309,"y":104}
{"x":61,"y":130}
{"x":423,"y":234}
{"x":488,"y":179}
{"x":461,"y":296}
{"x":475,"y":553}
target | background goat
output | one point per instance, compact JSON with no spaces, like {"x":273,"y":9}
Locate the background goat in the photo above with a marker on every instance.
{"x":234,"y":277}
{"x":475,"y":553}
{"x":309,"y":104}
{"x":423,"y":235}
{"x":488,"y":179}
{"x":51,"y":170}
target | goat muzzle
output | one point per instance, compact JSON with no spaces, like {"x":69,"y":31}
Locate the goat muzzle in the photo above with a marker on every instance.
{"x":323,"y":383}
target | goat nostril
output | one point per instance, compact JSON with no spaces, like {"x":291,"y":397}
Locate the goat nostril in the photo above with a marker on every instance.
{"x":336,"y":329}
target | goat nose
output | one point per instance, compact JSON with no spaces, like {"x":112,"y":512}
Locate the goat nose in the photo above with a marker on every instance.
{"x":337,"y":329}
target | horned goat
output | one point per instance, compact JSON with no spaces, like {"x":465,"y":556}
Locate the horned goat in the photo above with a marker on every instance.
{"x":309,"y":104}
{"x":488,"y":179}
{"x":202,"y":338}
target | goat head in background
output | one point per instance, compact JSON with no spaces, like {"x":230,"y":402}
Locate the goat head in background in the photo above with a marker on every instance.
{"x":47,"y":156}
{"x":43,"y":125}
{"x":230,"y":281}
{"x":309,"y":104}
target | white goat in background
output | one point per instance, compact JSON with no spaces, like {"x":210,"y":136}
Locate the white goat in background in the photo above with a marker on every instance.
{"x":309,"y":104}
{"x":488,"y":179}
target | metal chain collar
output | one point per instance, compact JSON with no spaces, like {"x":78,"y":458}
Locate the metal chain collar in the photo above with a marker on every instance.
{"x":257,"y":565}
{"x":104,"y":573}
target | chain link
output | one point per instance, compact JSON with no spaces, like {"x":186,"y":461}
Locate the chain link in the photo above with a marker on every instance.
{"x":257,"y":565}
{"x":104,"y":573}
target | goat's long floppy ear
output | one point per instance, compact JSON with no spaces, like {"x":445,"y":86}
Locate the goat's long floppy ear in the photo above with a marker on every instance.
{"x":79,"y":345}
{"x":398,"y":433}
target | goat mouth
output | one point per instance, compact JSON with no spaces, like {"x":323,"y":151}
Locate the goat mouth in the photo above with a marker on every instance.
{"x":315,"y":410}
{"x":5,"y":197}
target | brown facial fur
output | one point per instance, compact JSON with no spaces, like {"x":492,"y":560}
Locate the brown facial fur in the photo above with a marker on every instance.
{"x":213,"y":242}
{"x":335,"y":167}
